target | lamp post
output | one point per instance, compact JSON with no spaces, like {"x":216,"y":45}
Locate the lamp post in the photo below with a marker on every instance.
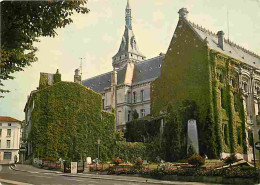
{"x":98,"y":142}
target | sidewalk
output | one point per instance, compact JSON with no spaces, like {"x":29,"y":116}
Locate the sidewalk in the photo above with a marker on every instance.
{"x":32,"y":169}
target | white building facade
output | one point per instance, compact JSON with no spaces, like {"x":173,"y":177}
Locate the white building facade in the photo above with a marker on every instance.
{"x":10,"y":138}
{"x":127,"y":88}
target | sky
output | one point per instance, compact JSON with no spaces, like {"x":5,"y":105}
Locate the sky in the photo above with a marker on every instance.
{"x":96,"y":36}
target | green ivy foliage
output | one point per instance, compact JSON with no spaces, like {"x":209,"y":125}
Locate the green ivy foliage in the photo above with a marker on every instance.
{"x":67,"y":121}
{"x":142,"y":130}
{"x":129,"y":151}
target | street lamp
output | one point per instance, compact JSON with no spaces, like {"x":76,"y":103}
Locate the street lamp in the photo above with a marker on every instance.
{"x":98,"y":142}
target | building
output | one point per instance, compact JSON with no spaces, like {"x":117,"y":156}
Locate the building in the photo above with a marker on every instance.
{"x":127,"y":87}
{"x":221,"y":77}
{"x":10,"y":130}
{"x":64,"y":120}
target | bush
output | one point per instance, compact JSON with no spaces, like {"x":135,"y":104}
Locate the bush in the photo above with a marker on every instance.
{"x":230,"y":160}
{"x":196,"y":160}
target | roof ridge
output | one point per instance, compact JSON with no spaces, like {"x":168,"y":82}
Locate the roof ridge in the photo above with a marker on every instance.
{"x":150,"y":59}
{"x":226,"y":40}
{"x":97,"y":76}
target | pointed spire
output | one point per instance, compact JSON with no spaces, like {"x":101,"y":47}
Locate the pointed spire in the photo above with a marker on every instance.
{"x":128,"y":5}
{"x":128,"y":16}
{"x":128,"y":50}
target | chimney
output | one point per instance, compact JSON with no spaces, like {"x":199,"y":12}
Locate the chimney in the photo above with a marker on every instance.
{"x":77,"y":77}
{"x":183,"y":12}
{"x":220,"y":35}
{"x":114,"y":78}
{"x":57,"y":77}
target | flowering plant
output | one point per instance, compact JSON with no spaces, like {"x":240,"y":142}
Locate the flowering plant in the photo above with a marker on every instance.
{"x":117,"y":161}
{"x":196,"y":160}
{"x":138,"y":163}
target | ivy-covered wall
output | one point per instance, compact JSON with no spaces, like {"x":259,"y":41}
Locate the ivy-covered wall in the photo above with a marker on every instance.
{"x":67,"y":121}
{"x":190,"y":73}
{"x":185,"y":76}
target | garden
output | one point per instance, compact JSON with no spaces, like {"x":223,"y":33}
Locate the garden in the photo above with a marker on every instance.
{"x":195,"y":168}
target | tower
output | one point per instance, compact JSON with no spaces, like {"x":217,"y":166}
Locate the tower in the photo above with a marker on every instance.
{"x":128,"y":51}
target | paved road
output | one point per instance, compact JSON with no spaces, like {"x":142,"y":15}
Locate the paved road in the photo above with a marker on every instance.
{"x":9,"y":176}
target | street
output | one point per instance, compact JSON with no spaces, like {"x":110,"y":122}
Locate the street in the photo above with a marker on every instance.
{"x":9,"y":176}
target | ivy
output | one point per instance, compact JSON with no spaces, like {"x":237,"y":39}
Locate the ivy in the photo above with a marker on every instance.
{"x":67,"y":121}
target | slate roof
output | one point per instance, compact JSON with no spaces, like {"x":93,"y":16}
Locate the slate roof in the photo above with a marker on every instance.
{"x":147,"y":70}
{"x":230,"y":49}
{"x":8,"y":119}
{"x":144,"y":71}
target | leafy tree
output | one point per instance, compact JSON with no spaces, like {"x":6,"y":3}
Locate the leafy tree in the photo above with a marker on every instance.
{"x":209,"y":145}
{"x":135,"y":115}
{"x":23,"y":22}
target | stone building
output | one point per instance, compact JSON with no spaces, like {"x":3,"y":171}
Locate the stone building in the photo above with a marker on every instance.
{"x":10,"y":130}
{"x":127,"y":87}
{"x":221,"y":77}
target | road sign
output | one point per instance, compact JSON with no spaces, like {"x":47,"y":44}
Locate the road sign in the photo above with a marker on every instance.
{"x":257,"y":145}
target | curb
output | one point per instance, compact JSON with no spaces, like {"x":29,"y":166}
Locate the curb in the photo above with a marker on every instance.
{"x":90,"y":176}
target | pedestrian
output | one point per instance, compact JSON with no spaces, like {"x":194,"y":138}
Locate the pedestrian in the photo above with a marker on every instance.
{"x":15,"y":159}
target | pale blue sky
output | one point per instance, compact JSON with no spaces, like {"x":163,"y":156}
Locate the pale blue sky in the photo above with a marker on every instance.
{"x":97,"y":36}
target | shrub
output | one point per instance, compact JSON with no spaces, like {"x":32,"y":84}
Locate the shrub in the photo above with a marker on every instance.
{"x":230,"y":160}
{"x":196,"y":160}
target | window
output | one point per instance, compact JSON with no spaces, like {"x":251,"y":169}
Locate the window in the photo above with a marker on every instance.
{"x":103,"y":103}
{"x":9,"y":124}
{"x":226,"y":134}
{"x":0,"y":132}
{"x":8,"y":144}
{"x":8,"y":155}
{"x":222,"y":97}
{"x":236,"y":100}
{"x":142,"y":95}
{"x":8,"y":133}
{"x":0,"y":143}
{"x":245,"y":87}
{"x":134,"y":97}
{"x":142,"y":113}
{"x":129,"y":115}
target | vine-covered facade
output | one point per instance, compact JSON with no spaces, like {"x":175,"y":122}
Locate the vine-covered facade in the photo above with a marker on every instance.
{"x":221,"y":78}
{"x":65,"y":120}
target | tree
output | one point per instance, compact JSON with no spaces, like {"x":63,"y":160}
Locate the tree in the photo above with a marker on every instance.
{"x":23,"y":22}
